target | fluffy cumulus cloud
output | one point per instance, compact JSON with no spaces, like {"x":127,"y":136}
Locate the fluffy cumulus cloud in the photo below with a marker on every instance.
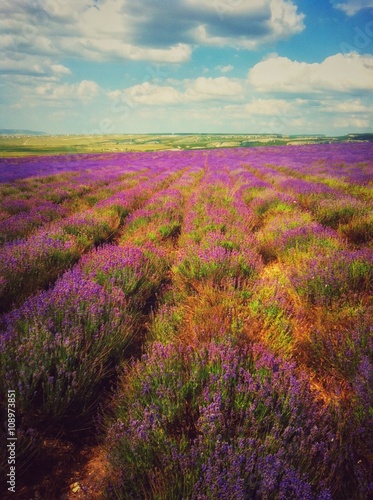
{"x":147,"y":94}
{"x":352,"y":7}
{"x":346,"y":107}
{"x":56,"y":94}
{"x":215,"y":88}
{"x":163,"y":31}
{"x":246,"y":25}
{"x":40,"y":38}
{"x":98,"y":32}
{"x":345,"y":73}
{"x":201,"y":89}
{"x":268,"y":107}
{"x":276,"y":116}
{"x":33,"y":66}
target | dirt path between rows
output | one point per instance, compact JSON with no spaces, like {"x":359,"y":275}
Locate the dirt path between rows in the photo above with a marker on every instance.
{"x":64,"y":471}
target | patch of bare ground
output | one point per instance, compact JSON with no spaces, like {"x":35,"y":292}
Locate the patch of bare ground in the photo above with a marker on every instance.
{"x":89,"y":480}
{"x":64,"y":471}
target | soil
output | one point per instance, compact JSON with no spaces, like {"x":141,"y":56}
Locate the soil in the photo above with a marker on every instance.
{"x":64,"y":471}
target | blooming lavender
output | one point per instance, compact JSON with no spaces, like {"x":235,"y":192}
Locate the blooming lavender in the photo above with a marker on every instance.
{"x":334,"y":275}
{"x":244,"y":275}
{"x":29,"y":264}
{"x":59,"y":345}
{"x":56,"y":347}
{"x":23,"y":223}
{"x":222,"y":422}
{"x":217,"y":264}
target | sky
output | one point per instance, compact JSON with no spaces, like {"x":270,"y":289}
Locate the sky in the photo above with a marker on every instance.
{"x":182,"y":66}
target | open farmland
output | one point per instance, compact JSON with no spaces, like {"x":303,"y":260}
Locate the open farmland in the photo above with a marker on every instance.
{"x":22,"y":144}
{"x":207,"y":314}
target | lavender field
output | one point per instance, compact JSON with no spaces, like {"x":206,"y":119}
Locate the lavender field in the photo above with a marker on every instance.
{"x":208,"y":314}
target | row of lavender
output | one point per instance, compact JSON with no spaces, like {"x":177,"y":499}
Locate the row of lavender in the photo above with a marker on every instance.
{"x":259,"y":347}
{"x":30,"y":263}
{"x":28,"y":204}
{"x":241,"y":393}
{"x":61,"y":345}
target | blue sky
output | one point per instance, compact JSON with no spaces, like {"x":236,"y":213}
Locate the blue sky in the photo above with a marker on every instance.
{"x":235,"y":66}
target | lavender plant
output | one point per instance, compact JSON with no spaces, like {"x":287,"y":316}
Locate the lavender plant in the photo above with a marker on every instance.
{"x":219,"y":422}
{"x":59,"y":346}
{"x":334,"y":275}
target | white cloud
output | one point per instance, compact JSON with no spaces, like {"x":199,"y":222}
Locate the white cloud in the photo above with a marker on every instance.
{"x":30,"y":67}
{"x":268,"y":107}
{"x":281,"y":95}
{"x":83,"y":91}
{"x":225,"y":69}
{"x":272,"y":20}
{"x":215,"y":87}
{"x":352,"y":7}
{"x":143,"y":30}
{"x":339,"y":73}
{"x":348,"y":106}
{"x":198,"y":90}
{"x":285,"y":20}
{"x":59,"y":69}
{"x":270,"y":116}
{"x":76,"y":29}
{"x":147,"y":94}
{"x":86,"y":89}
{"x":33,"y":66}
{"x":352,"y":123}
{"x":228,"y":7}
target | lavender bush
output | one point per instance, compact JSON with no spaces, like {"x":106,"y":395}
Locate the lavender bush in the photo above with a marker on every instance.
{"x":219,"y":422}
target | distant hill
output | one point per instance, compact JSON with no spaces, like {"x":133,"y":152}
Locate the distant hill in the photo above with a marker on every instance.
{"x":11,"y":131}
{"x":361,"y":137}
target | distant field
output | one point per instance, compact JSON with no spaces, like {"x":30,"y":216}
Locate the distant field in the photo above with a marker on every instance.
{"x":25,"y":145}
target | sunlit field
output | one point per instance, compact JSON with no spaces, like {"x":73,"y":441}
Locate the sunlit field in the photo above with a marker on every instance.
{"x":206,"y":314}
{"x":23,"y":144}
